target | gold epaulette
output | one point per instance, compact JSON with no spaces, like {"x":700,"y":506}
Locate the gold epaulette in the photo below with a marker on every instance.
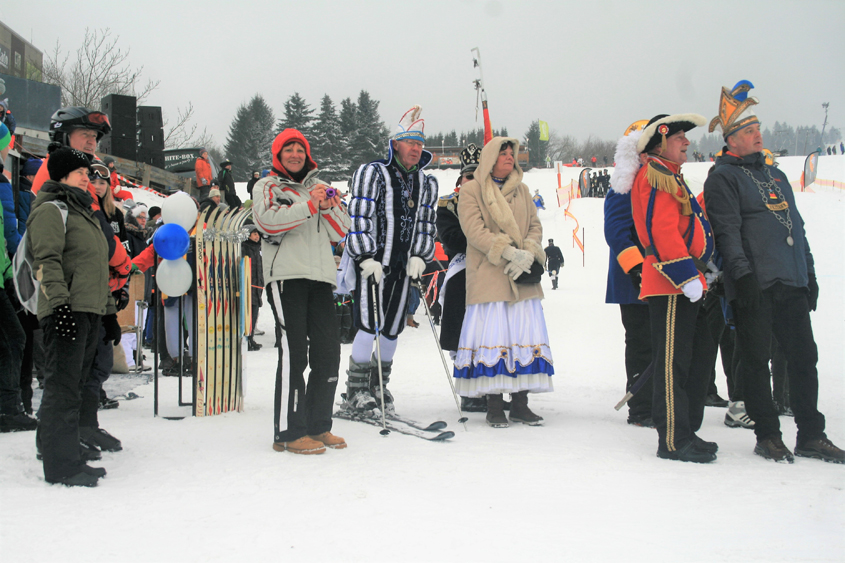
{"x":447,"y":199}
{"x":663,"y":179}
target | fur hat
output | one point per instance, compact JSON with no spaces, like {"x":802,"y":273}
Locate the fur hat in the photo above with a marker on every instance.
{"x":469,"y":158}
{"x":662,"y":126}
{"x":735,"y":109}
{"x":627,"y":158}
{"x":214,"y":193}
{"x":411,"y":126}
{"x":65,"y":160}
{"x":5,"y":136}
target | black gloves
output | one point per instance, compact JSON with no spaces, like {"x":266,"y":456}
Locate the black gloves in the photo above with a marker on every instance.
{"x":636,"y":275}
{"x":112,"y":329}
{"x":65,"y":325}
{"x":748,"y":291}
{"x":813,"y":298}
{"x":121,"y":298}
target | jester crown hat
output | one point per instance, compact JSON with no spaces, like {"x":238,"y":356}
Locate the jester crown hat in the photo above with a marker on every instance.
{"x":411,"y":126}
{"x":735,"y":109}
{"x":469,"y":158}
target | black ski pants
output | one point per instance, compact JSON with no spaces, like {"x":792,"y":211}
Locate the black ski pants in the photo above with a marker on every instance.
{"x":709,"y":326}
{"x":12,"y":343}
{"x":68,"y":364}
{"x":305,"y":311}
{"x":100,"y":372}
{"x":784,"y":312}
{"x":678,"y":391}
{"x":635,"y":319}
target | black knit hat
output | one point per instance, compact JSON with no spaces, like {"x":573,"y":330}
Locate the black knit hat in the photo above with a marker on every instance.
{"x":65,"y":160}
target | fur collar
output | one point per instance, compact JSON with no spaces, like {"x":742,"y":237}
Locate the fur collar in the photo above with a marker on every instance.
{"x":497,"y":199}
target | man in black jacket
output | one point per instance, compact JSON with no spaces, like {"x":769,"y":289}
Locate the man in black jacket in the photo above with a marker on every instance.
{"x":554,"y":261}
{"x":769,"y":278}
{"x":227,"y":185}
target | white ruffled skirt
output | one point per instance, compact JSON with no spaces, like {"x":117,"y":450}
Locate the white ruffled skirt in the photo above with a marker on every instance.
{"x":504,"y":349}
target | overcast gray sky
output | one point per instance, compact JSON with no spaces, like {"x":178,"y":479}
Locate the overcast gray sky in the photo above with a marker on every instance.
{"x":587,"y":68}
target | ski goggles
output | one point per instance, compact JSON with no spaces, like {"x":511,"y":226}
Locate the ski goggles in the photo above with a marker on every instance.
{"x":96,"y":118}
{"x":99,"y":171}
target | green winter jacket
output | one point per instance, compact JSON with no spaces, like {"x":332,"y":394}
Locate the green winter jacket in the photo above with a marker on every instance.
{"x":72,"y":261}
{"x":5,"y":262}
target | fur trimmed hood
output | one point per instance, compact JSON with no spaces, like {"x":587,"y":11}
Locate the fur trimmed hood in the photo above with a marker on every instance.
{"x":497,"y":199}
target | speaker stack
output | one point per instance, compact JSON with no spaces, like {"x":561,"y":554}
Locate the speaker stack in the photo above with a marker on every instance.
{"x":150,"y":136}
{"x":121,"y":111}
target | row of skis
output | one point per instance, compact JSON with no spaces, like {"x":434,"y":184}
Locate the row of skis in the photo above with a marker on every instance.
{"x":224,"y":307}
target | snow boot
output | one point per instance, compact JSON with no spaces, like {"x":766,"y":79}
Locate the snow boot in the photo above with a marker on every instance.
{"x":20,"y":422}
{"x":359,"y":399}
{"x":330,"y":440}
{"x":81,"y":479}
{"x":774,"y":449}
{"x":820,"y":448}
{"x":705,"y":446}
{"x":411,"y":322}
{"x":688,"y":453}
{"x":520,"y":411}
{"x":736,"y":417}
{"x":495,"y":412}
{"x":106,"y":403}
{"x":304,"y":445}
{"x":474,"y":404}
{"x":714,"y":400}
{"x":252,"y":345}
{"x":375,"y":390}
{"x":99,"y":438}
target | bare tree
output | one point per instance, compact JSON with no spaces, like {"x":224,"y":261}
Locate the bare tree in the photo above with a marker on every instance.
{"x":97,"y":68}
{"x":183,"y":133}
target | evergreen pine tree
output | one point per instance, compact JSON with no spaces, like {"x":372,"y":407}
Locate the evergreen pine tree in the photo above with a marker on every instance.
{"x":298,"y":115}
{"x":536,"y":147}
{"x":249,"y":139}
{"x":348,"y":126}
{"x":368,"y":141}
{"x":327,"y":147}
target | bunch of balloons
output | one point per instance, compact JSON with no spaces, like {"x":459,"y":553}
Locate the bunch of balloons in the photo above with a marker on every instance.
{"x":172,"y":241}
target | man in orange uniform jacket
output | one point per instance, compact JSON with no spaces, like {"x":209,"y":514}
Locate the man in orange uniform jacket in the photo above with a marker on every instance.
{"x":678,"y":244}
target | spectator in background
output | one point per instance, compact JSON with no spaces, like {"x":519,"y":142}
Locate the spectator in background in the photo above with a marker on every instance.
{"x":11,"y":234}
{"x":137,"y":232}
{"x":226,"y":183}
{"x":25,"y":195}
{"x":212,"y":201}
{"x":252,"y":249}
{"x":554,"y":262}
{"x":12,"y":336}
{"x":249,"y":185}
{"x":154,"y":215}
{"x":205,"y":178}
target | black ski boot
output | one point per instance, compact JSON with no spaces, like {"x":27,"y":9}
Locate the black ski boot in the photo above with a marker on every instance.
{"x":252,"y":345}
{"x":20,"y":422}
{"x":107,"y":403}
{"x":99,"y":438}
{"x":474,"y":404}
{"x":375,"y":390}
{"x":496,"y":412}
{"x":359,"y":399}
{"x":520,"y":411}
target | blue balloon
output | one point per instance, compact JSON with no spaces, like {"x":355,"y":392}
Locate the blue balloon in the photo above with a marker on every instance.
{"x":171,"y":241}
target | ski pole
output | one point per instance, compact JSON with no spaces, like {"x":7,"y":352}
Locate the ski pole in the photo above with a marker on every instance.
{"x":462,"y":419}
{"x":376,"y":318}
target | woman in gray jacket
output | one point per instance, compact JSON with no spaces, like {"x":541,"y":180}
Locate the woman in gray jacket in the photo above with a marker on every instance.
{"x":299,"y":222}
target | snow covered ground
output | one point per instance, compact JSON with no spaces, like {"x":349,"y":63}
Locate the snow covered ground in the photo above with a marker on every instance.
{"x":584,"y":487}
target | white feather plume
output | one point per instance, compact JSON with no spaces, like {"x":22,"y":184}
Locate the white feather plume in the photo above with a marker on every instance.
{"x":627,"y":163}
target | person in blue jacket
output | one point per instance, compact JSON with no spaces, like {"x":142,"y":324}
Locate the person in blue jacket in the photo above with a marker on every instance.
{"x":624,"y":273}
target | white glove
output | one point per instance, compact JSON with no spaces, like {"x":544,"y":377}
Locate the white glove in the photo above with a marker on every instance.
{"x":693,"y":290}
{"x":370,"y":267}
{"x":522,"y":258}
{"x":512,"y":270}
{"x":415,"y":267}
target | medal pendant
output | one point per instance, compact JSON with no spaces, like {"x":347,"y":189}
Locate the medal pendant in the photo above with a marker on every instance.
{"x":411,"y":204}
{"x":789,"y":240}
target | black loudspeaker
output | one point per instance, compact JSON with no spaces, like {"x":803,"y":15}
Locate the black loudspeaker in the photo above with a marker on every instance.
{"x":150,"y":136}
{"x":121,"y":111}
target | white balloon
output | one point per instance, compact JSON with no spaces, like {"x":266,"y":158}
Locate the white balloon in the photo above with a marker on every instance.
{"x":180,"y":209}
{"x":174,"y":277}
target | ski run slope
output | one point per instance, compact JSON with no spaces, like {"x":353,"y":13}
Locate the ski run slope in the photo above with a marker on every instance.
{"x":584,"y":487}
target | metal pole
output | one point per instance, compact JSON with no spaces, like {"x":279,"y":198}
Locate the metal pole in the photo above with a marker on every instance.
{"x":377,"y":317}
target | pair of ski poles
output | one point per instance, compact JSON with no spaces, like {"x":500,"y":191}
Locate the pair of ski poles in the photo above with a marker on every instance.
{"x":377,"y":319}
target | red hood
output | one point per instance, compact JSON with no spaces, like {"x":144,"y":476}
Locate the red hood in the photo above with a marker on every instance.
{"x":286,"y":137}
